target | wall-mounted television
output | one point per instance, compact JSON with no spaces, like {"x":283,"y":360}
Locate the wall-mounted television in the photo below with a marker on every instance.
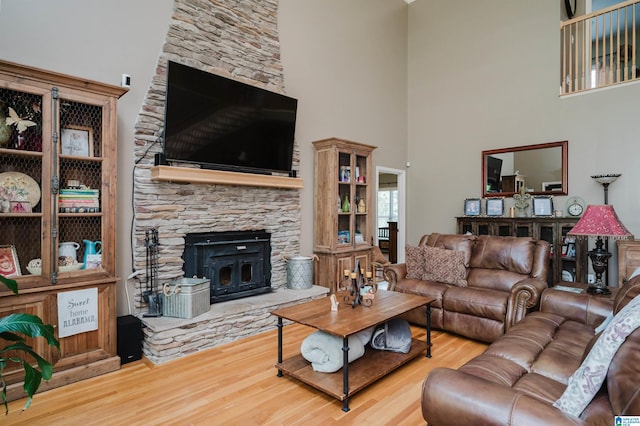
{"x":224,"y":124}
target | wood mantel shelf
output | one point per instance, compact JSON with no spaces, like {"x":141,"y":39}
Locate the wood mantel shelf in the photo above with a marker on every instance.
{"x":189,"y":175}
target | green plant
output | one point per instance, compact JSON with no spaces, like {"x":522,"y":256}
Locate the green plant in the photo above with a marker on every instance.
{"x":31,"y":326}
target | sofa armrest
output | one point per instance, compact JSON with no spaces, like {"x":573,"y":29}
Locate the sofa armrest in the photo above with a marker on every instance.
{"x":454,"y":397}
{"x":585,"y":308}
{"x":394,"y":273}
{"x":524,"y":296}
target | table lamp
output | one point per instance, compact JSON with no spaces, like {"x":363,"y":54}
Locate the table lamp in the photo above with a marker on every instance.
{"x":600,"y":221}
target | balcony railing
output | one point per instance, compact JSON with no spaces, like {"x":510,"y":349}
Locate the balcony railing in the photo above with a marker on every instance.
{"x":599,"y":49}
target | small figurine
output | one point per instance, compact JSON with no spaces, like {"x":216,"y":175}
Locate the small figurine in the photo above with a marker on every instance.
{"x":334,"y":303}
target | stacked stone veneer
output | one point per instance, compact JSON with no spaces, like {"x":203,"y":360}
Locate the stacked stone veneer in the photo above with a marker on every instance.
{"x":236,"y":39}
{"x":170,"y":338}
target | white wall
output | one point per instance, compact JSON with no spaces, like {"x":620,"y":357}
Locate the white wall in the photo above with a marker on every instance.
{"x":346,"y":62}
{"x":485,"y":76}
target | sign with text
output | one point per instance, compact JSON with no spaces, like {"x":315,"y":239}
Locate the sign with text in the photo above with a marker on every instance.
{"x":77,"y":312}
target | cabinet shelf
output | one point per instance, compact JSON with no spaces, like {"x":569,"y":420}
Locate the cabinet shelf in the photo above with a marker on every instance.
{"x":32,"y":215}
{"x":22,"y":152}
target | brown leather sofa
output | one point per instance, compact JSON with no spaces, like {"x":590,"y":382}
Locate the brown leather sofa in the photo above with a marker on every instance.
{"x":506,"y":276}
{"x":519,"y":377}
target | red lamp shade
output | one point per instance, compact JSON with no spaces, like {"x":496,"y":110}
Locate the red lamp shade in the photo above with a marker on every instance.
{"x":600,"y":221}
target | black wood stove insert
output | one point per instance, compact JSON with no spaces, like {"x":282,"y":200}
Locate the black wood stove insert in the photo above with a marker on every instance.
{"x":238,"y":263}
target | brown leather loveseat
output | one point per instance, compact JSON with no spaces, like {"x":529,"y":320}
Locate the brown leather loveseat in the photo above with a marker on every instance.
{"x":503,"y":280}
{"x":520,"y":376}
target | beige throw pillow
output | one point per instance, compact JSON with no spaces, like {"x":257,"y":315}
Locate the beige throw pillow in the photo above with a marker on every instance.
{"x":435,"y":264}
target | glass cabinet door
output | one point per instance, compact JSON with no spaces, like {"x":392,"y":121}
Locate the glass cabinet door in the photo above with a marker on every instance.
{"x":345,"y":198}
{"x":80,"y":176}
{"x":21,"y":181}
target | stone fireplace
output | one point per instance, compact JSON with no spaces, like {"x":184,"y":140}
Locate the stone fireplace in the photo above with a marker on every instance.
{"x":238,"y":264}
{"x":239,"y":40}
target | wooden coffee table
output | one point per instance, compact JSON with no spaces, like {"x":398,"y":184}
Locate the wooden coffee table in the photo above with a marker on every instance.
{"x":344,"y":322}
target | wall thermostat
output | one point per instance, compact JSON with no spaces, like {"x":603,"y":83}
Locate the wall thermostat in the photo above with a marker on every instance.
{"x":126,"y":80}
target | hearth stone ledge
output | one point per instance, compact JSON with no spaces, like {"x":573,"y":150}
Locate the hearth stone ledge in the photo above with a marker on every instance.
{"x":167,"y":338}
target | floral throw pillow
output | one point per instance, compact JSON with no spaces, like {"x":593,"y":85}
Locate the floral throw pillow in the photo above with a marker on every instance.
{"x":445,"y":266}
{"x":585,"y":382}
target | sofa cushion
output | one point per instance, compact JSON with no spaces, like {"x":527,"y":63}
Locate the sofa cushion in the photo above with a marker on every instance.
{"x":455,"y":242}
{"x":436,"y":264}
{"x":585,"y":382}
{"x":513,"y":254}
{"x":483,"y":303}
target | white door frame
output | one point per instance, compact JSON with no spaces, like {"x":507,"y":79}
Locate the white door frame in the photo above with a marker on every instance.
{"x":402,"y":207}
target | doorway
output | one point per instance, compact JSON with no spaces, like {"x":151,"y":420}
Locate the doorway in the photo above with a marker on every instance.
{"x":390,"y":200}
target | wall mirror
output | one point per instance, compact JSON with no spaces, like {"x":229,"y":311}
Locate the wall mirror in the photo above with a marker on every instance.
{"x":540,"y":169}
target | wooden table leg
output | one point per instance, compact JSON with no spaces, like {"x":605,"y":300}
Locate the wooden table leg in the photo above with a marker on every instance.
{"x":345,"y":373}
{"x":428,"y":330}
{"x":279,"y":345}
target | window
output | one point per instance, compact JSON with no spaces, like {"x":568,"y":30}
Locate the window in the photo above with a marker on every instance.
{"x":387,"y":207}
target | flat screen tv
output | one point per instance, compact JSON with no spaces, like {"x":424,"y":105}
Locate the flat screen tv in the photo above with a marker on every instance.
{"x":494,"y":172}
{"x":225,"y":124}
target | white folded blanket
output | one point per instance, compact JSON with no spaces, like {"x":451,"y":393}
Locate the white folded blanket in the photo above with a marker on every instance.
{"x":324,"y":351}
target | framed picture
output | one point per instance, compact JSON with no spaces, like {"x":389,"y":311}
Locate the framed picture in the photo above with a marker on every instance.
{"x":77,"y":141}
{"x":344,"y":237}
{"x":495,"y":206}
{"x":542,"y":206}
{"x":571,"y":250}
{"x":9,"y":265}
{"x":472,"y":207}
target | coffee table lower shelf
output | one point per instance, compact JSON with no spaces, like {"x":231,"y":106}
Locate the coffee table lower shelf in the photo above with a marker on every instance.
{"x":373,"y":365}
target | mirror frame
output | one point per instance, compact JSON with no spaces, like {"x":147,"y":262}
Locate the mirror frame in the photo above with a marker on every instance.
{"x":565,"y":171}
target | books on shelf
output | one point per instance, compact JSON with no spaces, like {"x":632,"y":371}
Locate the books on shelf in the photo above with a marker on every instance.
{"x":79,"y":201}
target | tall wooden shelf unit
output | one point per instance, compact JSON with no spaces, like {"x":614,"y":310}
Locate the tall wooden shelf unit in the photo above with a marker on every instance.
{"x":342,"y":237}
{"x":551,"y":229}
{"x":56,"y":102}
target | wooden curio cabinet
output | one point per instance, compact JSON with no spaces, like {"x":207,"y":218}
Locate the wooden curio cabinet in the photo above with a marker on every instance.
{"x":567,"y":257}
{"x":58,"y":185}
{"x":343,"y":205}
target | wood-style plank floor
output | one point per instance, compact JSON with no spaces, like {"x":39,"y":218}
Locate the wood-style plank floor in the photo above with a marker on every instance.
{"x":236,"y":384}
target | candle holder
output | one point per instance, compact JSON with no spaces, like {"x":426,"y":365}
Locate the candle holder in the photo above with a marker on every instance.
{"x":361,"y":290}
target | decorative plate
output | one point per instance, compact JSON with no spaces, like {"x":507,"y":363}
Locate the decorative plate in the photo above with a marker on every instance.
{"x":19,"y":184}
{"x":567,"y":276}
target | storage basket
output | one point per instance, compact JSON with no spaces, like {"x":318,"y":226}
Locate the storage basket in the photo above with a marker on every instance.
{"x":185,"y":297}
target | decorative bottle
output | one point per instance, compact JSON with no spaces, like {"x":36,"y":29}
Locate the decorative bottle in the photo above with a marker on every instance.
{"x":346,"y":208}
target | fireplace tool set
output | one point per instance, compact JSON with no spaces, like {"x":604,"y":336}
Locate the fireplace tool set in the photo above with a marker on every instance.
{"x":151,"y":295}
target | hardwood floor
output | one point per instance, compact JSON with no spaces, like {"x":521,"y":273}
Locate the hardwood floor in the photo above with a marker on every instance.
{"x":237,"y":384}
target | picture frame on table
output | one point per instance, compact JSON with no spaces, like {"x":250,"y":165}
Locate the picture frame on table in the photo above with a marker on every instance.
{"x":76,"y":141}
{"x":9,"y":264}
{"x":542,"y":206}
{"x":495,"y":206}
{"x":472,"y":207}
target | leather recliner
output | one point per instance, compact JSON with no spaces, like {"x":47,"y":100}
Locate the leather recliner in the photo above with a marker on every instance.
{"x":506,"y":276}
